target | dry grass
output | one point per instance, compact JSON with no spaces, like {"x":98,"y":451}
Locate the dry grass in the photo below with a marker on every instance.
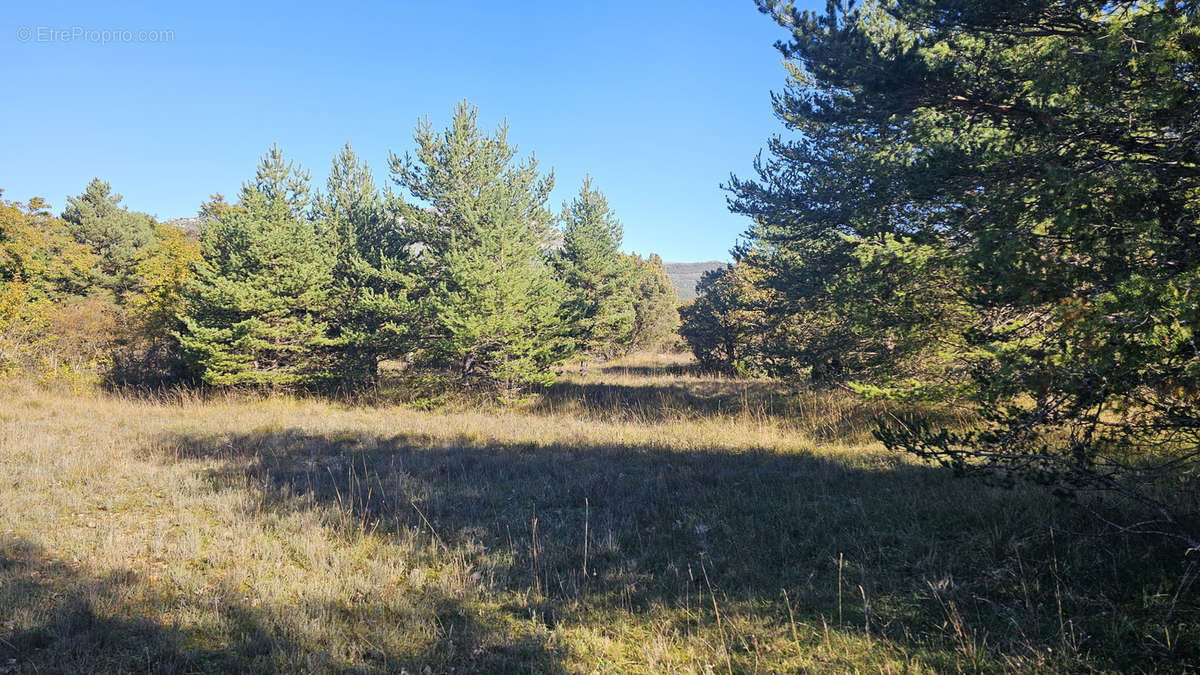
{"x":637,"y":518}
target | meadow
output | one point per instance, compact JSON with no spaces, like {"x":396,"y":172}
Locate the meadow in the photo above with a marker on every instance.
{"x":637,"y":517}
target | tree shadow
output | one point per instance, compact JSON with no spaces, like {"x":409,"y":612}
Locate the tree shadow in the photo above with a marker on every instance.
{"x":660,"y":370}
{"x":63,"y":618}
{"x":55,"y":622}
{"x":571,"y":534}
{"x":827,"y":414}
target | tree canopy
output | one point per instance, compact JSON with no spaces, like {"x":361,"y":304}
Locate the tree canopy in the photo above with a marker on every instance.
{"x":113,"y":233}
{"x":996,"y":204}
{"x":599,"y":306}
{"x":258,"y":310}
{"x":490,"y":301}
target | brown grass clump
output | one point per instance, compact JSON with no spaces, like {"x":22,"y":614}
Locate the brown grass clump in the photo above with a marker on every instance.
{"x":640,"y":517}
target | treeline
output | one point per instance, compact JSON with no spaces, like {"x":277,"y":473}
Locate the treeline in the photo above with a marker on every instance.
{"x":463,"y":275}
{"x":994,"y":206}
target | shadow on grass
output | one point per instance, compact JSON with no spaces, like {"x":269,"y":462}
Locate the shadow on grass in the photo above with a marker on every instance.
{"x":62,"y":618}
{"x":827,"y":414}
{"x":951,"y":574}
{"x":661,"y":370}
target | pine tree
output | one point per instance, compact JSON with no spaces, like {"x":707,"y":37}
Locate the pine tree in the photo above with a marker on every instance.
{"x":97,"y":220}
{"x":655,"y":304}
{"x":372,"y":276}
{"x":257,"y":310}
{"x":715,"y":324}
{"x":1037,"y":159}
{"x":599,"y":307}
{"x":490,"y":302}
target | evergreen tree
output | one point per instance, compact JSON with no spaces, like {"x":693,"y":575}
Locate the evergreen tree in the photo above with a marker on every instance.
{"x":114,"y":234}
{"x":717,"y":325}
{"x":599,"y":307}
{"x":1038,"y":154}
{"x":881,"y":312}
{"x":655,"y":303}
{"x":257,"y":311}
{"x":372,"y":269}
{"x":490,"y":302}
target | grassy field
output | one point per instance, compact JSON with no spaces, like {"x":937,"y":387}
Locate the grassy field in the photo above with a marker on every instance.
{"x":636,"y":518}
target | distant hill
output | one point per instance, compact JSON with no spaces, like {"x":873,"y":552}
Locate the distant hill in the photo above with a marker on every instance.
{"x":685,"y":276}
{"x":189,"y":225}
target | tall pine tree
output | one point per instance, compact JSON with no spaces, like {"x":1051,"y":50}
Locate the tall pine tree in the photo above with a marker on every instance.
{"x":599,"y":305}
{"x":655,"y":304}
{"x":1037,"y":159}
{"x":490,"y":301}
{"x":372,"y":276}
{"x":257,"y":310}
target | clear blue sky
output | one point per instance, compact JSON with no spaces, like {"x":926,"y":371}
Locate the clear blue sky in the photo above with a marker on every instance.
{"x":659,"y":101}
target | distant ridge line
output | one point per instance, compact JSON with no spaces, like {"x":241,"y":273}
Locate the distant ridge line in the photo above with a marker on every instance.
{"x":685,"y":275}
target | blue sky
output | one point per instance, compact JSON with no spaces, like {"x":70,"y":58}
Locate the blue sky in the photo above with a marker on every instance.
{"x":659,"y":101}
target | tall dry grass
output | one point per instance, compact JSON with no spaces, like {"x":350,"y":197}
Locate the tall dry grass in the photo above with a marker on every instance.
{"x":638,"y":517}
